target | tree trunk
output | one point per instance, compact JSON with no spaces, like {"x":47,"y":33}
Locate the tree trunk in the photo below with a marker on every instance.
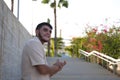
{"x":55,"y":39}
{"x":49,"y":48}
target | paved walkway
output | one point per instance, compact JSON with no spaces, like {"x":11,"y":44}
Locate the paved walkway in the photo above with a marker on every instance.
{"x":78,"y":69}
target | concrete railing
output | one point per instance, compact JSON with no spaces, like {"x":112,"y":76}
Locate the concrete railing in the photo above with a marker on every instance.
{"x":102,"y":59}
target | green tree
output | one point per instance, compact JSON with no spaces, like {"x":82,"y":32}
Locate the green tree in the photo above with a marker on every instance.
{"x":50,"y":48}
{"x":60,"y":45}
{"x":111,"y":42}
{"x":69,"y":49}
{"x":73,"y":49}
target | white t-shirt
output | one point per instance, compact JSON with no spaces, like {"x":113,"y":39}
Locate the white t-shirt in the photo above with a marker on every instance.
{"x":33,"y":54}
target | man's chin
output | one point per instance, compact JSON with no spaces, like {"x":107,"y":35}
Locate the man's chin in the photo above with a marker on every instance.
{"x":47,"y":40}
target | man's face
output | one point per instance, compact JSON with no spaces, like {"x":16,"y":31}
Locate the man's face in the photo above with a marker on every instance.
{"x":44,"y":33}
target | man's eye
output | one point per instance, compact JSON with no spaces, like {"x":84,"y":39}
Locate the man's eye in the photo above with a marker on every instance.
{"x":46,"y":30}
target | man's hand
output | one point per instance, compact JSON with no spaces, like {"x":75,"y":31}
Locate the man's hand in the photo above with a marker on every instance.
{"x":51,"y":70}
{"x":60,"y":64}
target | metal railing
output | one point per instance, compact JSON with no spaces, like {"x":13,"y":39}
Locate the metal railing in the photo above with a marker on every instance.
{"x":102,"y":59}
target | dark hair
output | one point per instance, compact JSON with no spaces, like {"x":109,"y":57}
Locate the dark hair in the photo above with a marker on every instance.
{"x":43,"y":24}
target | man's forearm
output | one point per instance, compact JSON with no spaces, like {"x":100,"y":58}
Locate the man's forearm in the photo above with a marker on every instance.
{"x":45,"y":69}
{"x":54,"y":70}
{"x":51,"y":70}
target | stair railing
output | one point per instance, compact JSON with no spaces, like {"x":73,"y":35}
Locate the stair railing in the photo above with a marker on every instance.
{"x":102,"y":59}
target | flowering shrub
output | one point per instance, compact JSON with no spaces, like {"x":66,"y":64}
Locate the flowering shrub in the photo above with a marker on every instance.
{"x":106,"y":41}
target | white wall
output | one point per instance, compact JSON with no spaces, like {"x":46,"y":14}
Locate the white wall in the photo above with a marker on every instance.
{"x":12,"y":38}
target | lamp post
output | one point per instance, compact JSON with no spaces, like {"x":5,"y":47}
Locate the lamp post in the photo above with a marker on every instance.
{"x":18,"y":9}
{"x":32,"y":18}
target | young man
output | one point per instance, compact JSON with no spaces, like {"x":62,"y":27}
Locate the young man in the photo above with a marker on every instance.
{"x":34,"y":63}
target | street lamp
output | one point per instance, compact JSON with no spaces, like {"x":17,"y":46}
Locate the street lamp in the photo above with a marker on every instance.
{"x":32,"y":17}
{"x":18,"y":9}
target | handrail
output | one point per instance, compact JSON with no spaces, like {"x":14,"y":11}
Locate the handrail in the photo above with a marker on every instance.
{"x":102,"y":56}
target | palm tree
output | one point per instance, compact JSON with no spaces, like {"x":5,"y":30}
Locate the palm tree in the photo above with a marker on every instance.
{"x":53,"y":4}
{"x":60,"y":44}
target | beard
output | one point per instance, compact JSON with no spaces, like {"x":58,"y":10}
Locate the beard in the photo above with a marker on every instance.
{"x":41,"y":38}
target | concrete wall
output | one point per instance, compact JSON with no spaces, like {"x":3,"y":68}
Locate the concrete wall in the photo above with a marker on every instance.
{"x":12,"y":38}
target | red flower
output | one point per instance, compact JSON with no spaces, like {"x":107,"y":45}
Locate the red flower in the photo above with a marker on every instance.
{"x":94,"y":30}
{"x":105,"y":30}
{"x":99,"y":45}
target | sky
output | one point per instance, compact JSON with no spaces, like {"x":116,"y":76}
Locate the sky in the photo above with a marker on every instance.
{"x":71,"y":21}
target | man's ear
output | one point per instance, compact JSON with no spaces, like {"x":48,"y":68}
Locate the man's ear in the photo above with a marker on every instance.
{"x":37,"y":32}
